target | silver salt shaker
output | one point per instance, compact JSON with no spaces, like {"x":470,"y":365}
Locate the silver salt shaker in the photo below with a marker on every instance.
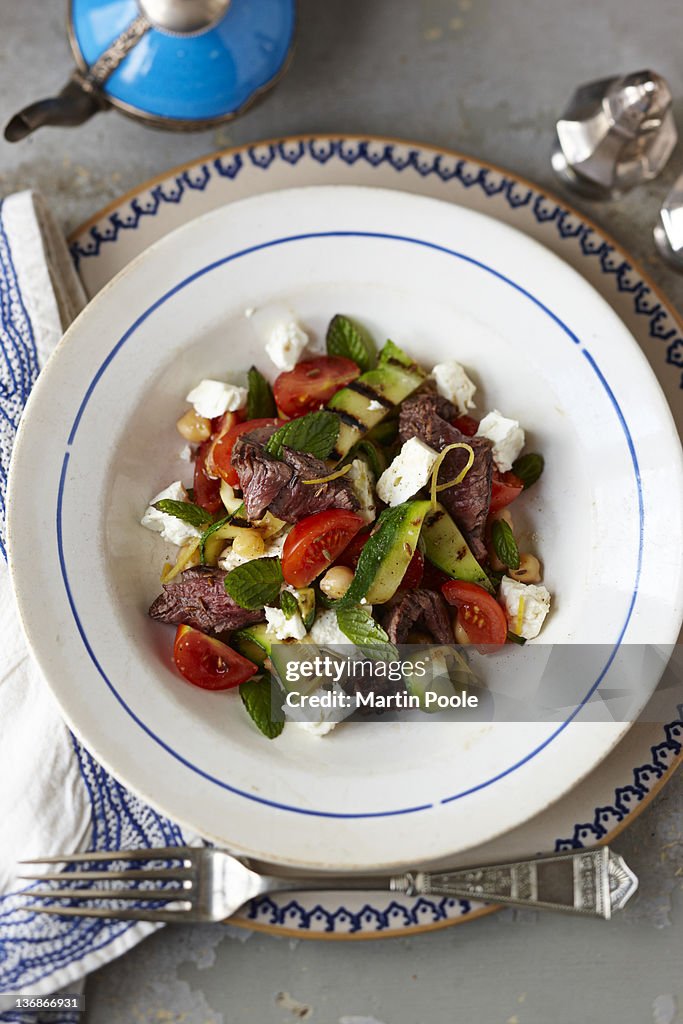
{"x":615,"y":133}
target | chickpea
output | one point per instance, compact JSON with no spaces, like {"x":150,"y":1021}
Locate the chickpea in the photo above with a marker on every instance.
{"x":193,"y":427}
{"x":529,"y":569}
{"x":461,"y":636}
{"x":248,"y":543}
{"x":336,"y":581}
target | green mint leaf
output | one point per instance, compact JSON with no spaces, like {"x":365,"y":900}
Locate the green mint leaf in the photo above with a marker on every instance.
{"x":255,"y":584}
{"x":258,"y":698}
{"x":347,"y":339}
{"x":260,"y":401}
{"x":528,"y":468}
{"x":504,"y":544}
{"x":391,"y":353}
{"x":185,"y":510}
{"x":289,"y":604}
{"x":210,"y":530}
{"x":315,"y":434}
{"x":358,"y":625}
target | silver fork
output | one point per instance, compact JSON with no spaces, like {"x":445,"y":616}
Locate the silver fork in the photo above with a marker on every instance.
{"x":208,"y":884}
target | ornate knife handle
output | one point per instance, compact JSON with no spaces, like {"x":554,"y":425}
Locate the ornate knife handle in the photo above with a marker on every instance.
{"x":592,"y":882}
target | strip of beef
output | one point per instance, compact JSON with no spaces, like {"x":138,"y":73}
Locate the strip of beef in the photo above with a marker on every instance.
{"x":197,"y":598}
{"x":426,"y":416}
{"x":419,"y":608}
{"x":277,"y":484}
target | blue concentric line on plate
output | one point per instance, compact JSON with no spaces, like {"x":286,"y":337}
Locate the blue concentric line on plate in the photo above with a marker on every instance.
{"x":382,"y":236}
{"x":402,"y":158}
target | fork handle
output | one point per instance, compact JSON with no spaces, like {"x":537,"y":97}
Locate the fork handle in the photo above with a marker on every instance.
{"x":592,"y":883}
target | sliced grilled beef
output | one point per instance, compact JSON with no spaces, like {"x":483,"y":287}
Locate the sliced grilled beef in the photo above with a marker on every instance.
{"x":427,"y":416}
{"x":423,"y":609}
{"x":197,"y":598}
{"x":277,"y":484}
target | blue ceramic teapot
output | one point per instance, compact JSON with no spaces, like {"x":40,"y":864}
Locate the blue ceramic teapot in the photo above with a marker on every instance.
{"x":180,"y":64}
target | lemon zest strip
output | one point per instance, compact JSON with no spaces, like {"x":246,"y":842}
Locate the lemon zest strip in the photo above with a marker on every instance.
{"x":436,"y":487}
{"x":326,"y":479}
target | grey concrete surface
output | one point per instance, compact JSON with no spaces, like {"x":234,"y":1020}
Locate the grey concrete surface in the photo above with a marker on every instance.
{"x":487,"y":77}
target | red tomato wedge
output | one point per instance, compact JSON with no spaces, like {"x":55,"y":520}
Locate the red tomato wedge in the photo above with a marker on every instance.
{"x":207,"y":490}
{"x":316,"y":542}
{"x":222,"y":449}
{"x":207,"y":662}
{"x":504,"y":489}
{"x":479,"y":613}
{"x":311,"y":384}
{"x":466,"y":425}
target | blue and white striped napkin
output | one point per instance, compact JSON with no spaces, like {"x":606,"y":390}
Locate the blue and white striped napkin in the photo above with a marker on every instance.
{"x":54,"y":797}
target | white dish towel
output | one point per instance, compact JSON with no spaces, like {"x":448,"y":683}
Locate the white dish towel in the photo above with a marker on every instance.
{"x":54,"y":797}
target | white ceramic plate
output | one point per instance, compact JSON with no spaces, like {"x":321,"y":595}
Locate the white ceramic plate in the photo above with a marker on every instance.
{"x":442,"y":281}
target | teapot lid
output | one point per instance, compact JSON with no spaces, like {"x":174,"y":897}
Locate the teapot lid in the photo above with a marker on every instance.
{"x":183,"y":63}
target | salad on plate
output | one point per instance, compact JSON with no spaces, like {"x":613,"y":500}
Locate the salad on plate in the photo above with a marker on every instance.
{"x":356,"y":501}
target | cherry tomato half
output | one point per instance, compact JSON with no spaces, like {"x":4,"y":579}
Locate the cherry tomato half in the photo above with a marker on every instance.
{"x":481,"y":616}
{"x":207,"y":490}
{"x":316,"y":542}
{"x":467,"y":425}
{"x":222,"y":449}
{"x":412,"y":577}
{"x":351,"y":552}
{"x":311,"y":384}
{"x":207,"y":662}
{"x":505,"y":487}
{"x":219,"y":427}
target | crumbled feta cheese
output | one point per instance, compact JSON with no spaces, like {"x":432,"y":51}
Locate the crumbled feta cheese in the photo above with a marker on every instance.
{"x":362,"y":481}
{"x":170,"y":527}
{"x":534,"y":609}
{"x":375,"y":406}
{"x":212,"y":398}
{"x":285,"y":344}
{"x":185,"y":454}
{"x":325,"y":629}
{"x":453,"y":383}
{"x":409,"y":471}
{"x":321,"y":728}
{"x":282,"y":627}
{"x":507,"y":437}
{"x":272,"y":550}
{"x":249,"y":312}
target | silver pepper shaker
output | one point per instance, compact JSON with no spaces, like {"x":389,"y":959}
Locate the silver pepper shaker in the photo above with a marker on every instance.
{"x":669,"y":229}
{"x":615,"y":133}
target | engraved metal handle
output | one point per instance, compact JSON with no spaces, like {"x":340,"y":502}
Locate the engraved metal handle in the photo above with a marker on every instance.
{"x":589,"y":882}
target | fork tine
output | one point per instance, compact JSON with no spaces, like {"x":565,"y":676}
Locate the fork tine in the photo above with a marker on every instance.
{"x":133,"y":914}
{"x":134,"y":874}
{"x":162,"y":853}
{"x":182,"y":895}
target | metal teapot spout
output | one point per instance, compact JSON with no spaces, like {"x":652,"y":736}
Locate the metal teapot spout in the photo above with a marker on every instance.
{"x":75,"y":104}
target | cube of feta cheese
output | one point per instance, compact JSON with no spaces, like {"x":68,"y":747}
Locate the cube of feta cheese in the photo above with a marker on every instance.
{"x":286,"y":343}
{"x":507,"y":437}
{"x":212,"y":398}
{"x":185,"y":454}
{"x":409,"y":471}
{"x":535,"y":605}
{"x":170,"y":527}
{"x":362,"y":484}
{"x":325,"y":629}
{"x":453,"y":383}
{"x":272,"y":550}
{"x":282,"y":627}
